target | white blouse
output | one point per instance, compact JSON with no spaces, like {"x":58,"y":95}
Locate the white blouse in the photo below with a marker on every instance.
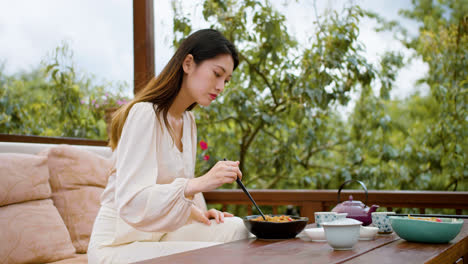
{"x":147,"y":187}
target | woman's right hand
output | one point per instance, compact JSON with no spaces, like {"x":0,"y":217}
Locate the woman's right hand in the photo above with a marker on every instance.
{"x":221,"y":173}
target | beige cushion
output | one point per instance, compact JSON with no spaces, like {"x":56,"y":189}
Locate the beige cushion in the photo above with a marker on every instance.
{"x":71,"y":168}
{"x":79,"y":209}
{"x":33,"y":232}
{"x":23,"y":177}
{"x":77,"y":179}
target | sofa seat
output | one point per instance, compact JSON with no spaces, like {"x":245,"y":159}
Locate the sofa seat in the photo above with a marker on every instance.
{"x":77,"y":259}
{"x":49,"y":198}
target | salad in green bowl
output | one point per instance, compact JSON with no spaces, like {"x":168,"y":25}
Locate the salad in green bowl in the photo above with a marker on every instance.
{"x":426,"y":229}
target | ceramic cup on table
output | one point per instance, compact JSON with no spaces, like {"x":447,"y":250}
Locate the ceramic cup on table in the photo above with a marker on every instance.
{"x":342,"y":234}
{"x":323,"y":217}
{"x":382,"y":221}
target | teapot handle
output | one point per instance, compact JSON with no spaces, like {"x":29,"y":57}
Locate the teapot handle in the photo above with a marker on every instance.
{"x":348,"y":181}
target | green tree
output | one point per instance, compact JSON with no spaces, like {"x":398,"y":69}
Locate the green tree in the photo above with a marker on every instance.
{"x":421,"y":142}
{"x":277,"y":117}
{"x":443,"y":44}
{"x":54,"y":100}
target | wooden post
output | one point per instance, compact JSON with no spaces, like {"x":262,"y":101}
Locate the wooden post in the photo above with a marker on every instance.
{"x":308,"y":209}
{"x":143,"y":43}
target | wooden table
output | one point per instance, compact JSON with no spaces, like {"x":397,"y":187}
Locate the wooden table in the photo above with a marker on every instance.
{"x":384,"y":249}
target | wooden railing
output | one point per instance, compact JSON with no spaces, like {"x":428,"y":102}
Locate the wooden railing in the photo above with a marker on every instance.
{"x":51,"y":140}
{"x":310,"y":201}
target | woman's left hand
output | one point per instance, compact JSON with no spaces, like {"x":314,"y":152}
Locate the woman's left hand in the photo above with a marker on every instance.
{"x":217,"y":215}
{"x":204,"y":217}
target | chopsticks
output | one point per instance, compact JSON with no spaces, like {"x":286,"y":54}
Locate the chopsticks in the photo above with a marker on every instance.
{"x":248,"y":195}
{"x":432,"y":215}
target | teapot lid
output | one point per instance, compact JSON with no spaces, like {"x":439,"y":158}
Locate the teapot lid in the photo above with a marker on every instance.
{"x":350,"y":202}
{"x":353,"y":208}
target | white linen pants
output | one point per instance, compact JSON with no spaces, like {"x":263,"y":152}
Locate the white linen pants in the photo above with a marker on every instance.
{"x":188,"y":237}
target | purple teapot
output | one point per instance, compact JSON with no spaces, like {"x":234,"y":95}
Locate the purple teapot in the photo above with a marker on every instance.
{"x":355,"y":209}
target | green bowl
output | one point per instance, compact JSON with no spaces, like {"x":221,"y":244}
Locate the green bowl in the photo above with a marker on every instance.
{"x":426,"y":231}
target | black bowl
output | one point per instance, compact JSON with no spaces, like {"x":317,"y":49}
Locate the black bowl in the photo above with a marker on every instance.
{"x":275,"y":230}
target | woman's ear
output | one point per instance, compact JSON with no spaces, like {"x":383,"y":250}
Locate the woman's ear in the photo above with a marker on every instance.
{"x":188,"y":63}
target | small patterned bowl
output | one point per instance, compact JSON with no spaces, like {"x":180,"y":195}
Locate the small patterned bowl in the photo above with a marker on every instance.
{"x":382,"y":221}
{"x":323,"y":217}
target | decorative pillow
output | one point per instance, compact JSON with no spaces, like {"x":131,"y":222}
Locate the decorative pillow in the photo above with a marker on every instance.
{"x":79,"y":209}
{"x":71,"y":168}
{"x":23,"y":177}
{"x":33,"y":232}
{"x":77,"y":178}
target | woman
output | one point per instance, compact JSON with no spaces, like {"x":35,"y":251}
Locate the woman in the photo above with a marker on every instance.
{"x":152,"y":205}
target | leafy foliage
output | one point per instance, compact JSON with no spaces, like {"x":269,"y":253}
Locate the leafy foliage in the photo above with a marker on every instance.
{"x":278,"y":116}
{"x":54,"y":101}
{"x":421,"y":143}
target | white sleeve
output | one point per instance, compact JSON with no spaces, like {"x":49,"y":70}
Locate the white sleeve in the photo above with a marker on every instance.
{"x":141,"y":202}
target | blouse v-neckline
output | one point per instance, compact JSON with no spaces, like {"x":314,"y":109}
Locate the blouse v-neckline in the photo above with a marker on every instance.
{"x":181,"y":137}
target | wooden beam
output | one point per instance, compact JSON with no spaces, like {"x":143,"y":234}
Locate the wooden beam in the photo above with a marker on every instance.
{"x":51,"y":140}
{"x":417,"y":199}
{"x":143,"y":43}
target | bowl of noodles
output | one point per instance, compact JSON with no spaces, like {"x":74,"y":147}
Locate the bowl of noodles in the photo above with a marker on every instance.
{"x":275,"y":226}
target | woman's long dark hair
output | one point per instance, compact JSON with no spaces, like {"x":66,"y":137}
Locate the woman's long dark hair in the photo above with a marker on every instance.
{"x":163,"y":89}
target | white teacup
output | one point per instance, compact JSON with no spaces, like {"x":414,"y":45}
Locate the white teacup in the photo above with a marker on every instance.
{"x":381,"y":220}
{"x":323,"y":217}
{"x":342,"y":234}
